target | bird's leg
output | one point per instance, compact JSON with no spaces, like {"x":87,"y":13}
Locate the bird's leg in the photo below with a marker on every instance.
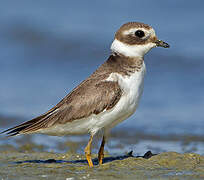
{"x":101,"y":151}
{"x":87,"y":151}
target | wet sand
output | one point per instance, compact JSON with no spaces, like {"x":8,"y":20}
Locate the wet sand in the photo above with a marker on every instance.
{"x":44,"y":165}
{"x":27,"y":160}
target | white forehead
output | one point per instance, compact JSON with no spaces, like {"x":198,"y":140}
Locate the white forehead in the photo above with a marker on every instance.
{"x":148,"y":32}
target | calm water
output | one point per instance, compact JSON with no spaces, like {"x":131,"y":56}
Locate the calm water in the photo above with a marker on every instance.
{"x":47,"y":48}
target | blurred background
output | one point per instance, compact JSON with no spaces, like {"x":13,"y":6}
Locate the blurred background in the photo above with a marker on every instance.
{"x":48,"y":47}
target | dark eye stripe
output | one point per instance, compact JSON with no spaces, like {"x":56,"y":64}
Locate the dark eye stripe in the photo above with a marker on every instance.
{"x":139,"y":33}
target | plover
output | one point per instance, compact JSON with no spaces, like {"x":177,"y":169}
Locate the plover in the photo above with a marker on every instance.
{"x":107,"y":97}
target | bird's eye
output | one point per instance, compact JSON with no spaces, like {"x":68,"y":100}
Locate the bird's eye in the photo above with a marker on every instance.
{"x":139,"y":33}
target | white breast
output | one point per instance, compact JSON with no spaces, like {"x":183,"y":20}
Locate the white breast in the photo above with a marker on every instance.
{"x":132,"y":87}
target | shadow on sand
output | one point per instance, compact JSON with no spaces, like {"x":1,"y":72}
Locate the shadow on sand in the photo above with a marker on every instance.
{"x":147,"y":155}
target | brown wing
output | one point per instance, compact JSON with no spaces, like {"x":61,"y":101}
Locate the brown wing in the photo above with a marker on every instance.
{"x":88,"y":98}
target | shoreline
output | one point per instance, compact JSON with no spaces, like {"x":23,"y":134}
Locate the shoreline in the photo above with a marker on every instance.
{"x":48,"y":157}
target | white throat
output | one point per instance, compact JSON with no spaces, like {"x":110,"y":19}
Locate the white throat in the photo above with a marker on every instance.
{"x":131,"y":50}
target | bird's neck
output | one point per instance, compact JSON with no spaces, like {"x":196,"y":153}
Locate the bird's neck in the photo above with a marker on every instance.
{"x":123,"y":64}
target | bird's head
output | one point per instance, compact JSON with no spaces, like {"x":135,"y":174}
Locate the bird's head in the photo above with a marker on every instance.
{"x":135,"y":39}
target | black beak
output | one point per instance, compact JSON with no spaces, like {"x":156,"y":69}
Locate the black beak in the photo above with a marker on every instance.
{"x":160,"y":43}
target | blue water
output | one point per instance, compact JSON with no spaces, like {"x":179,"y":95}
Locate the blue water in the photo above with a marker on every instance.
{"x":48,"y":47}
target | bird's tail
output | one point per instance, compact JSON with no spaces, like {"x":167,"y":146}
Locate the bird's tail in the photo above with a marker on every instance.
{"x":31,"y":126}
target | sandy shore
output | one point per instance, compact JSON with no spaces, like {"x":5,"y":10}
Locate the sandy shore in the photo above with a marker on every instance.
{"x":32,"y":165}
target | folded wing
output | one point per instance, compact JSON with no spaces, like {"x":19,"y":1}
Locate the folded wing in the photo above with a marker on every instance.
{"x":90,"y":97}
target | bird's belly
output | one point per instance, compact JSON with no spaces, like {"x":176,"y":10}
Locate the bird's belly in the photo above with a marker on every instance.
{"x":124,"y":109}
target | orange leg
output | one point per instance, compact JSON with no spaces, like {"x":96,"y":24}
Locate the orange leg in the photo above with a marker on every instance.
{"x":101,"y":151}
{"x":87,"y":151}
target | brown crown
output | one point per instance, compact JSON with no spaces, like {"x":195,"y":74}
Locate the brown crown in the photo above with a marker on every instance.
{"x":131,"y":39}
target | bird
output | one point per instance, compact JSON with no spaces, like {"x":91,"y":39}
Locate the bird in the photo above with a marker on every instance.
{"x":106,"y":98}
